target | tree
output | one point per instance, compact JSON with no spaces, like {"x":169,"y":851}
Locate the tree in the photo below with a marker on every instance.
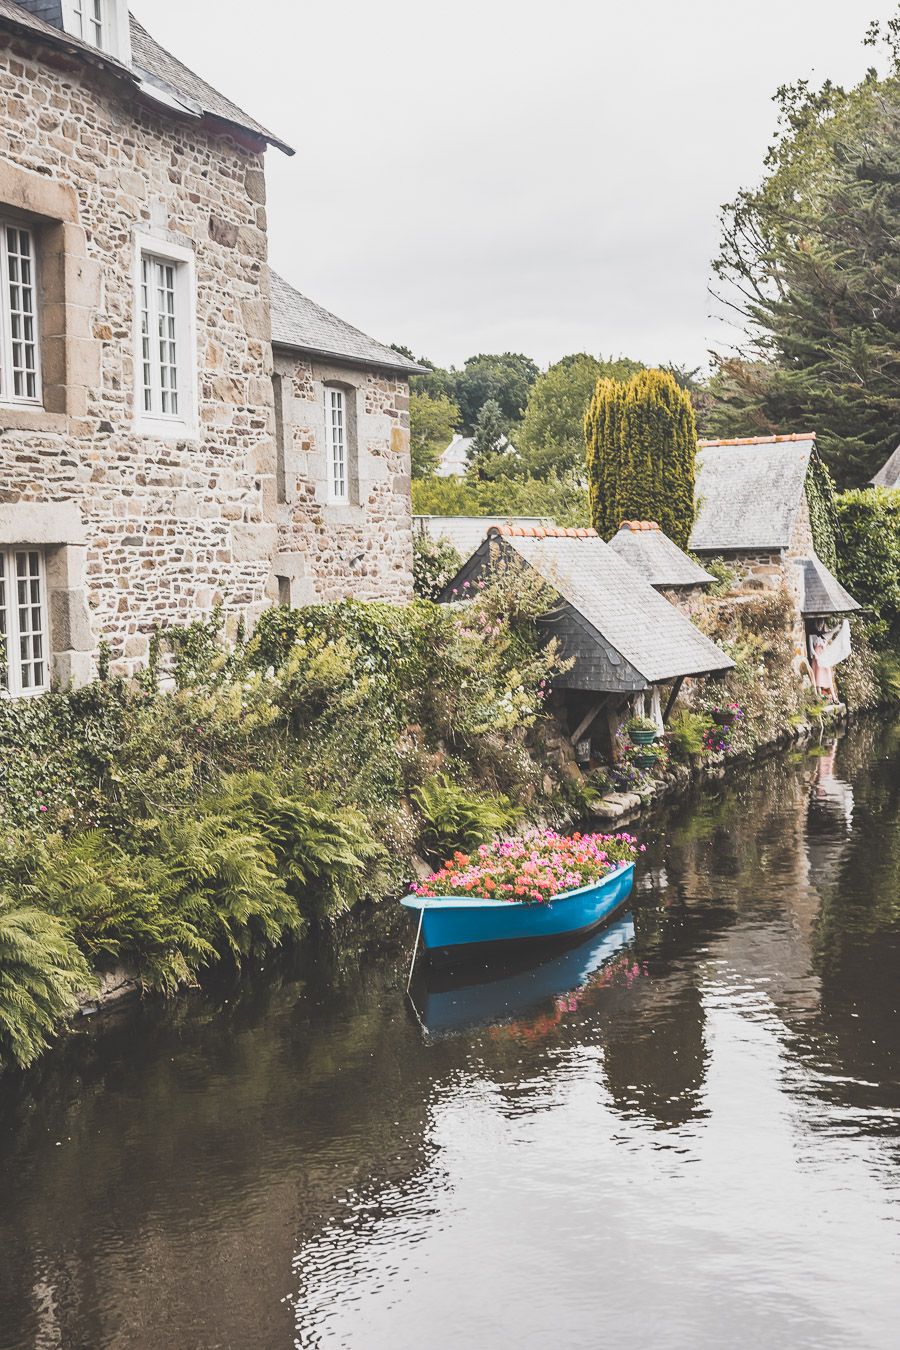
{"x":432,"y":423}
{"x":551,"y":438}
{"x":489,"y":448}
{"x":505,"y":380}
{"x":641,"y":443}
{"x":810,"y":264}
{"x":562,"y":500}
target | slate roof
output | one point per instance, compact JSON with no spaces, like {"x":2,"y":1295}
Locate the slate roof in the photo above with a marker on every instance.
{"x":623,"y":634}
{"x":821,"y":592}
{"x":465,"y":533}
{"x":301,"y":324}
{"x":658,"y":559}
{"x":193,"y":96}
{"x":888,"y":475}
{"x":749,"y":492}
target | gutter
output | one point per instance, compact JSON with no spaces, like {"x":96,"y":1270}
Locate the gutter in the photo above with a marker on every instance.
{"x":362,"y":362}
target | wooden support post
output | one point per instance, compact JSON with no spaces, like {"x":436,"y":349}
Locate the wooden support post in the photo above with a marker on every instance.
{"x":614,"y":721}
{"x":676,"y":690}
{"x":588,"y":720}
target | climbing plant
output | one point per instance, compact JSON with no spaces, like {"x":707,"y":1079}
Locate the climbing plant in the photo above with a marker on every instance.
{"x":822,"y":514}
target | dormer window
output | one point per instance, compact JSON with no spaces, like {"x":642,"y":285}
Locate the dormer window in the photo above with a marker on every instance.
{"x":88,"y":20}
{"x":102,"y":23}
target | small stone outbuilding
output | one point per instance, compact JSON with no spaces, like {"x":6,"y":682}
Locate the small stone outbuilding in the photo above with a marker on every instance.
{"x":659,"y":560}
{"x":342,"y":443}
{"x":627,"y":645}
{"x":753,"y":510}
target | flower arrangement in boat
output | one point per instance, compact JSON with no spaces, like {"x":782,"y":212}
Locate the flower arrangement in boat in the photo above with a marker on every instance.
{"x":534,"y":867}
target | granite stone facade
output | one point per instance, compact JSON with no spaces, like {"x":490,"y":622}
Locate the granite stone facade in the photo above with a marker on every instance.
{"x":142,"y":527}
{"x":361,"y":548}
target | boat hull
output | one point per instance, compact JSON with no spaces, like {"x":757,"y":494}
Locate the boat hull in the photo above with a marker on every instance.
{"x":454,"y":927}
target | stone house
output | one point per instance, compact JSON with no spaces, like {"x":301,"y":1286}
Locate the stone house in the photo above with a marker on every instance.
{"x":153,"y":462}
{"x":753,"y":510}
{"x":342,"y":442}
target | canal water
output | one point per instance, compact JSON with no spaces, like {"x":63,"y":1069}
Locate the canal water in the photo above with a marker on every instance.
{"x":685,"y":1133}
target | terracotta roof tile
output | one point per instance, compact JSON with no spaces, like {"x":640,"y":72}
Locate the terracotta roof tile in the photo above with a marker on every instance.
{"x":762,"y":440}
{"x":541,"y":532}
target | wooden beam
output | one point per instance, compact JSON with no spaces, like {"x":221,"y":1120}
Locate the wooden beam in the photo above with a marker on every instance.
{"x":676,"y":690}
{"x":589,"y":719}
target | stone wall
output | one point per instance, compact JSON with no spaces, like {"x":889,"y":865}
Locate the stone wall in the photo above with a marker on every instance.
{"x":171,"y":526}
{"x":361,"y":548}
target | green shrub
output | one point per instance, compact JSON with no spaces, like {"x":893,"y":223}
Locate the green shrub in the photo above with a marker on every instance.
{"x":725,"y":576}
{"x":41,"y":974}
{"x":887,"y":672}
{"x":858,"y":681}
{"x":455,"y":818}
{"x":561,"y":498}
{"x":435,"y":561}
{"x":869,"y":557}
{"x":271,"y":789}
{"x":686,"y":734}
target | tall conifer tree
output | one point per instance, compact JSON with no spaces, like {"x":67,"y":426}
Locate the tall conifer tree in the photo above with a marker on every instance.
{"x":641,"y":442}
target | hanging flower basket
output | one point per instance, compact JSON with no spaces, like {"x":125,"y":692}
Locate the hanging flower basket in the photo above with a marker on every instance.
{"x":642,"y":731}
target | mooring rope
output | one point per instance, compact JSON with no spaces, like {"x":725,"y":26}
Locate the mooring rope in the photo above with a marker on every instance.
{"x":412,"y":964}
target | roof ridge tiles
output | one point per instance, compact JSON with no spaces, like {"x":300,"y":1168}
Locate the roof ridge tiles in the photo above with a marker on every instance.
{"x":541,"y":532}
{"x":760,"y":440}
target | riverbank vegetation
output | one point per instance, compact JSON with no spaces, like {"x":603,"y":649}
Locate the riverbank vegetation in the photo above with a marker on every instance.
{"x":232,"y":798}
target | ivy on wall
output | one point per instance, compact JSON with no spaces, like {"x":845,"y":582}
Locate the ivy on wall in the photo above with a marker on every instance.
{"x":822,"y":512}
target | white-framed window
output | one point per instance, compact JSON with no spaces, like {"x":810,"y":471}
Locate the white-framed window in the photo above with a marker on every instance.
{"x":88,"y":21}
{"x":20,"y":358}
{"x":336,"y":443}
{"x":165,"y":338}
{"x":24,"y":651}
{"x":102,"y":23}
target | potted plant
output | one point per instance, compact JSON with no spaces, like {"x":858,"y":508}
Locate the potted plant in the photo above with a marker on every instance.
{"x":642,"y":730}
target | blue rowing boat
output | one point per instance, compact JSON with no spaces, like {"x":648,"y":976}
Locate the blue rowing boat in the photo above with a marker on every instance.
{"x":453,"y":926}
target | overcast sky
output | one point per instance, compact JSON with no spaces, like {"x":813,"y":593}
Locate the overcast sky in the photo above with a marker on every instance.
{"x":499,"y":175}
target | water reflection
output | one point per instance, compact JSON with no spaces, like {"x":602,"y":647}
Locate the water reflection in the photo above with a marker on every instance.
{"x":504,"y":992}
{"x":688,"y":1135}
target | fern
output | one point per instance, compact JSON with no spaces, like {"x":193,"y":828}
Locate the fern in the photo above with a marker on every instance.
{"x":325,"y":855}
{"x":120,"y":905}
{"x":41,"y":974}
{"x":454,"y":817}
{"x":224,"y":880}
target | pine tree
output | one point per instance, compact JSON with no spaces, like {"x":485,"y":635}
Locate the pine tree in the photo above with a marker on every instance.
{"x":603,"y":440}
{"x":809,"y":261}
{"x":489,"y":441}
{"x":641,"y":446}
